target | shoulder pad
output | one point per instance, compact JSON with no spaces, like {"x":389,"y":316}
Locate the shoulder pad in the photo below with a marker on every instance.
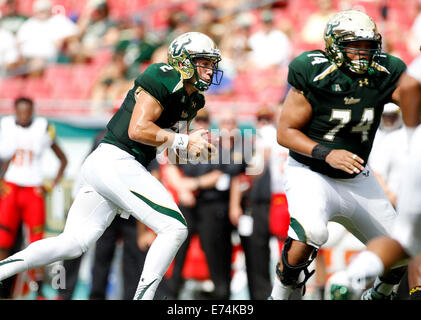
{"x":306,"y":67}
{"x":389,"y":64}
{"x":165,"y":75}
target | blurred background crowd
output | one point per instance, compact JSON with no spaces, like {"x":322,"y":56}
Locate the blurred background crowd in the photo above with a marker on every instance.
{"x":77,"y":59}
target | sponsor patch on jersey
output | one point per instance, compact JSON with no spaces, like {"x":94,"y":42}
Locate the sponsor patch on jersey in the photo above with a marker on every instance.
{"x":351,"y":100}
{"x":336,"y":87}
{"x":363,"y":82}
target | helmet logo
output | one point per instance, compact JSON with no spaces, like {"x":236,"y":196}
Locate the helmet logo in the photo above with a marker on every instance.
{"x":179,"y":46}
{"x":330,"y":28}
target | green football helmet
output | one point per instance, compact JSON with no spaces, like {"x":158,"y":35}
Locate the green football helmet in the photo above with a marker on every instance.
{"x":186,"y":48}
{"x":342,"y":30}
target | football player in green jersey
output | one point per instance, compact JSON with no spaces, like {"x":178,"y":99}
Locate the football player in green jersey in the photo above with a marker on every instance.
{"x":115,"y":180}
{"x":405,"y":241}
{"x":328,"y":122}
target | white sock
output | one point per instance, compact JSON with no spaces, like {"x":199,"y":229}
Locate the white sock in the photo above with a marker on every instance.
{"x":280,"y":291}
{"x":147,"y":287}
{"x":11,"y":266}
{"x":159,"y":257}
{"x":40,"y":253}
{"x":364,"y":269}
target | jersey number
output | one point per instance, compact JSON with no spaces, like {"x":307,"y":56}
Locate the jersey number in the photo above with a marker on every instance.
{"x":166,"y":68}
{"x":344,"y":116}
{"x":21,"y":156}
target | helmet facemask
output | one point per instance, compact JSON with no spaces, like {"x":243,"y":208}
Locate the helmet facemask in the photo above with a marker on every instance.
{"x":216,"y":78}
{"x":364,"y":60}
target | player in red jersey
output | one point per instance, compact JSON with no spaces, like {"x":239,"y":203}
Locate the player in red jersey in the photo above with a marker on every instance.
{"x":23,"y":188}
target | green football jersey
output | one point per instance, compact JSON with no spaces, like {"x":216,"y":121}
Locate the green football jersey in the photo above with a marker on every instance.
{"x":166,"y":85}
{"x":346,"y":112}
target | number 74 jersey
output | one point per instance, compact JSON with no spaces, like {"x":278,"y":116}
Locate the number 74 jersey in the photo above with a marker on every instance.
{"x":346,"y":111}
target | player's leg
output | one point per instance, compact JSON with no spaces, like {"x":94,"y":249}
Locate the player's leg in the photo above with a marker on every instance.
{"x":310,"y":199}
{"x":370,"y":215}
{"x":120,"y":178}
{"x":294,"y":260}
{"x":176,"y":282}
{"x":9,"y":218}
{"x":414,"y":278}
{"x":103,"y":257}
{"x":89,"y":216}
{"x":10,"y":229}
{"x":31,"y":200}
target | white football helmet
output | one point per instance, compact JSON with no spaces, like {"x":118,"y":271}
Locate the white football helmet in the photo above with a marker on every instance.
{"x":186,"y":48}
{"x":347,"y":27}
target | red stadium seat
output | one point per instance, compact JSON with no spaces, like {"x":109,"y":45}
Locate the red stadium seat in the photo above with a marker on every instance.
{"x":58,"y":71}
{"x":37,"y":88}
{"x":10,"y":88}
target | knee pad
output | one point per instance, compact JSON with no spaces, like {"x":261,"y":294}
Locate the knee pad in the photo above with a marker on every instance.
{"x":289,"y":275}
{"x":313,"y":232}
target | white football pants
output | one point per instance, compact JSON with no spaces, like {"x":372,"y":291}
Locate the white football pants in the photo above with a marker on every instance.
{"x":408,"y":224}
{"x":113,"y":182}
{"x":359,"y":204}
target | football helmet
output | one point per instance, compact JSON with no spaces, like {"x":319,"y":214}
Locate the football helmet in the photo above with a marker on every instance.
{"x":342,"y":30}
{"x":186,"y":48}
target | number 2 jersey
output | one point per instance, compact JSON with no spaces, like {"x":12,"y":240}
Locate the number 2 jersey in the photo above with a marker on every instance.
{"x":345,"y":112}
{"x":166,"y":86}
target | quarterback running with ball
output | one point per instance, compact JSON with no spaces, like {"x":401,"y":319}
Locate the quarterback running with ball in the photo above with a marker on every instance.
{"x":115,"y":179}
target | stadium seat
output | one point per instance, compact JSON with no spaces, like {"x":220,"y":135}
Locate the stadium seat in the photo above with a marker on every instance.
{"x":102,"y":57}
{"x":58,"y":71}
{"x":10,"y":88}
{"x":37,"y":88}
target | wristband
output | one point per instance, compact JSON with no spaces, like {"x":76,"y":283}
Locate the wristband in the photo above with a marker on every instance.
{"x":320,"y":152}
{"x":181,"y":141}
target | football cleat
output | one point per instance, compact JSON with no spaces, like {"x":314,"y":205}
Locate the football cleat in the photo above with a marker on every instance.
{"x":340,"y":292}
{"x":338,"y":287}
{"x":371,"y":294}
